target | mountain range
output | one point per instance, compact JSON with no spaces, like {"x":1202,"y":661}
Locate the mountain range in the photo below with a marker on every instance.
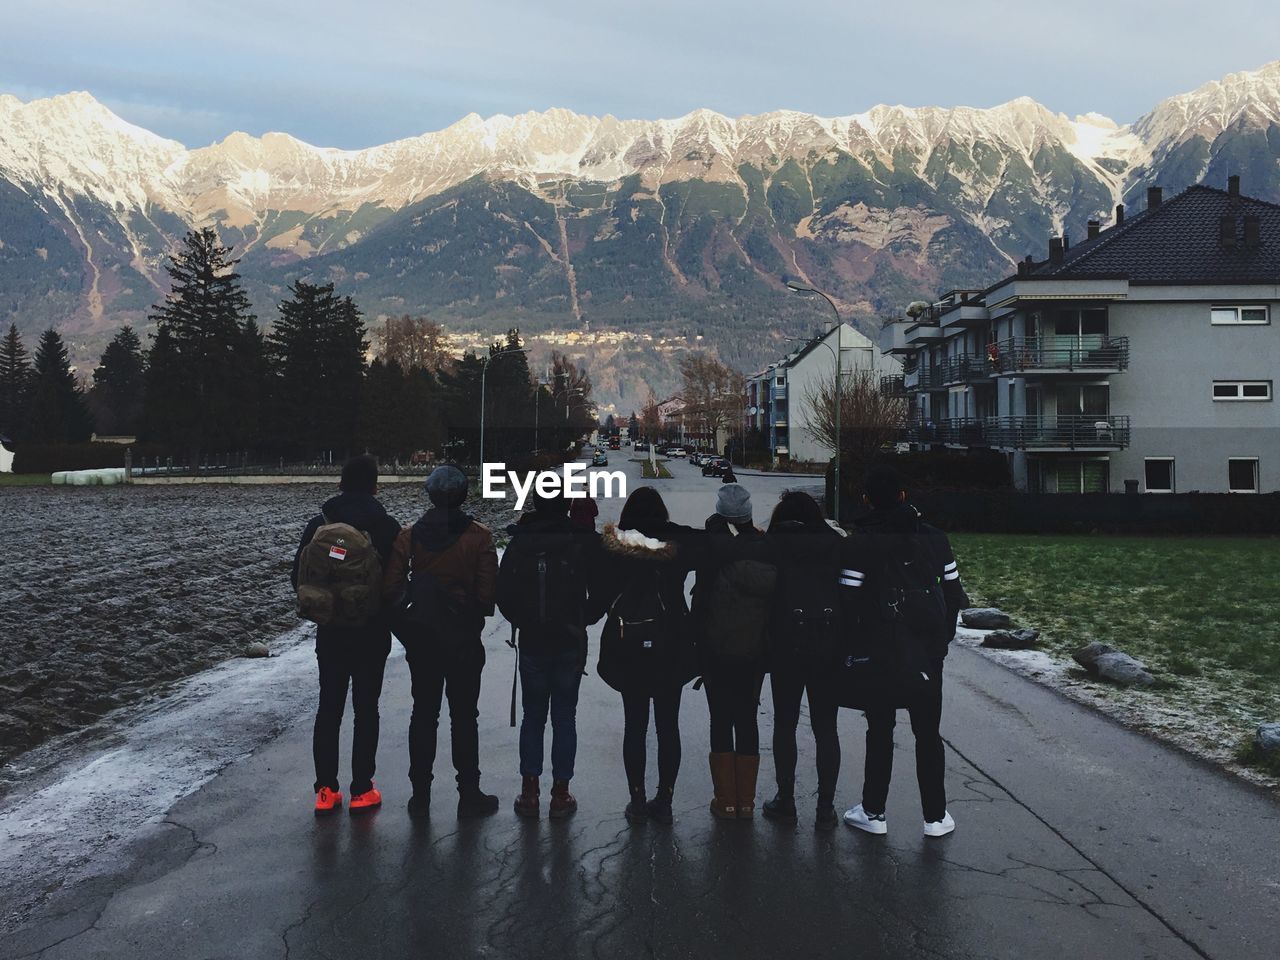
{"x":558,"y":221}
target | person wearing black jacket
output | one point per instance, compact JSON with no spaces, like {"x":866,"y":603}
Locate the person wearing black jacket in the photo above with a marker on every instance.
{"x":639,"y":579}
{"x":893,"y":529}
{"x":542,"y":591}
{"x":804,"y":547}
{"x":732,"y":594}
{"x":350,"y":657}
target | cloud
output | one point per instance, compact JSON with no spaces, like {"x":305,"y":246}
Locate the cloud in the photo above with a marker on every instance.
{"x":350,"y":75}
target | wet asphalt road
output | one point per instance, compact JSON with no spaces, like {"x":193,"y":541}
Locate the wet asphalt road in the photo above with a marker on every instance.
{"x":1076,"y":838}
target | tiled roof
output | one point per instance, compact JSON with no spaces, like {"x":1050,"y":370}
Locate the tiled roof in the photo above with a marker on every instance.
{"x":1179,"y":242}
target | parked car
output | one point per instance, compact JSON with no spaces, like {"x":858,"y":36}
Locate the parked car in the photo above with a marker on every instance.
{"x":601,"y":459}
{"x":715,"y":467}
{"x":641,"y":446}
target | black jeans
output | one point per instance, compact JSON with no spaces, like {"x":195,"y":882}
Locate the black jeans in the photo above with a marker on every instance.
{"x":635,"y":731}
{"x":733,"y":700}
{"x":926,"y":717}
{"x":789,"y":683}
{"x":357,"y":665}
{"x":434,"y":677}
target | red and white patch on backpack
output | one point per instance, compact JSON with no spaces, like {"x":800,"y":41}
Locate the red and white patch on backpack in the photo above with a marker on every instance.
{"x":337,"y":553}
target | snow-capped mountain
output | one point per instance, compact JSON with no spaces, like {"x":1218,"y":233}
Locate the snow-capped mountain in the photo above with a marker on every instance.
{"x":545,"y":219}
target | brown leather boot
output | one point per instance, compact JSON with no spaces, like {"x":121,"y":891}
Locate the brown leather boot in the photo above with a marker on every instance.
{"x":745,"y":771}
{"x":527,"y":803}
{"x":724,"y":805}
{"x":563,"y":803}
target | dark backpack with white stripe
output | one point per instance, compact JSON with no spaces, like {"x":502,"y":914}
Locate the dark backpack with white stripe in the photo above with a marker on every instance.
{"x":908,"y":599}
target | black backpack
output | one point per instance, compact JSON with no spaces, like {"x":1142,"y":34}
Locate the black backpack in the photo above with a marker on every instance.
{"x":638,"y":616}
{"x":810,"y":617}
{"x":434,"y":614}
{"x":736,"y":629}
{"x":538,"y":589}
{"x":908,"y":599}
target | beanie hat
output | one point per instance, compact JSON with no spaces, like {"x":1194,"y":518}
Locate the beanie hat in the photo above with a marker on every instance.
{"x":733,"y":502}
{"x":447,"y":486}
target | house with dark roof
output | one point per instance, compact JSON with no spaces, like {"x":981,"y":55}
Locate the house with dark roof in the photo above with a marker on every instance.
{"x":1145,"y":354}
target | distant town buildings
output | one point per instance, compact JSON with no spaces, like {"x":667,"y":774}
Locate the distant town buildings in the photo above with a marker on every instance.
{"x":1142,"y":357}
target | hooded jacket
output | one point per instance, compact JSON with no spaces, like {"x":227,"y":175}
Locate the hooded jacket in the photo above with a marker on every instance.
{"x":367,"y":514}
{"x":455,"y":549}
{"x":798,"y":549}
{"x":552,"y":533}
{"x":863,"y":558}
{"x":627,"y":556}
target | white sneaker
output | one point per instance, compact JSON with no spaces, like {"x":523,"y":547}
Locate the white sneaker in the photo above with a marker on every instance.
{"x":939,"y":828}
{"x":857,"y":817}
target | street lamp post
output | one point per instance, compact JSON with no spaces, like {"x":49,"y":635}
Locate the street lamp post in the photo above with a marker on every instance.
{"x":484,"y":372}
{"x":797,"y":287}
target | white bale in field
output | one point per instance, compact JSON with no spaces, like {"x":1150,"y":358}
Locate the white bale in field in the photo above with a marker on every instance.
{"x":90,"y":478}
{"x":6,"y":459}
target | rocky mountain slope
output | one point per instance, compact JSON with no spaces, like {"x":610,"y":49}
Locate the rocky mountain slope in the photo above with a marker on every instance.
{"x":560,"y":221}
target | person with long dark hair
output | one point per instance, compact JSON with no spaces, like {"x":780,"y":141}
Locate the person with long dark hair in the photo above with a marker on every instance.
{"x":645,"y":651}
{"x":731,"y":598}
{"x":808,"y":643}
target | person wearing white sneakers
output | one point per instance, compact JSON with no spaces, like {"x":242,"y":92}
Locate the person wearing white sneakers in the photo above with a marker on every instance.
{"x":902,"y":595}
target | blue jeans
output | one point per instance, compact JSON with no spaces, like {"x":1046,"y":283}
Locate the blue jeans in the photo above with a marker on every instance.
{"x":550,"y":683}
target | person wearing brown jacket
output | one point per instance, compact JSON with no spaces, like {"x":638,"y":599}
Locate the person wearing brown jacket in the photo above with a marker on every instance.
{"x":443,"y":571}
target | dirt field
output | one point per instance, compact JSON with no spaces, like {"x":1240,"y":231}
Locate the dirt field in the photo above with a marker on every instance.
{"x":108,"y":593}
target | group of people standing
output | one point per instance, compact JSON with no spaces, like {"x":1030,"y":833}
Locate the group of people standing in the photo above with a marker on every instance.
{"x":860,"y":620}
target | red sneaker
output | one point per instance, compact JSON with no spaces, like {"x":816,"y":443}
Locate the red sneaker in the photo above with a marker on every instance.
{"x":328,"y":801}
{"x":371,"y":799}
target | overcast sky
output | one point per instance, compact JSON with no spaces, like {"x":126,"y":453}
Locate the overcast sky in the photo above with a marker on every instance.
{"x":357,"y":74}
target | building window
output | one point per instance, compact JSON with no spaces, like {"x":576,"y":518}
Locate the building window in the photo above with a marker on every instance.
{"x":1247,"y":315}
{"x":1159,"y":474}
{"x":1242,"y":475}
{"x":1242,"y":390}
{"x":1083,"y":476}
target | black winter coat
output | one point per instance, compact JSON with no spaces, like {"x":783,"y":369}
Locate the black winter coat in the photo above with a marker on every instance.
{"x":722,"y":546}
{"x":668,"y":549}
{"x":797,"y":550}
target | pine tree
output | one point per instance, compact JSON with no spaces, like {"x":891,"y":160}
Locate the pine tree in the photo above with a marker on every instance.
{"x":15,"y":376}
{"x":118,"y":383}
{"x":203,"y":317}
{"x":317,"y":351}
{"x":57,"y":412}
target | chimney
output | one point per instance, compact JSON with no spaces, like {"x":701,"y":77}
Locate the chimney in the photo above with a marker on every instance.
{"x":1119,"y":214}
{"x":1227,"y":230}
{"x":1055,"y":249}
{"x":1066,"y":242}
{"x":1233,"y":185}
{"x":1094,"y":227}
{"x":1023,"y":268}
{"x":1154,"y":196}
{"x":1252,"y":231}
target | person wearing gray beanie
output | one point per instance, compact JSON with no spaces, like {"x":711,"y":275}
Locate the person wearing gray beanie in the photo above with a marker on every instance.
{"x":733,"y":502}
{"x":447,"y":486}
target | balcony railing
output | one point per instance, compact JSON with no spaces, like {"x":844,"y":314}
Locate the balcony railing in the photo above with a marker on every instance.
{"x":1068,"y":432}
{"x":969,"y":368}
{"x":893,"y":385}
{"x":929,"y":378}
{"x":1088,"y":354}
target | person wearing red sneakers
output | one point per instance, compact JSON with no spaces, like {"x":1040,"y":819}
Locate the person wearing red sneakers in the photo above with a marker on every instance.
{"x":350,"y":656}
{"x":446,"y":566}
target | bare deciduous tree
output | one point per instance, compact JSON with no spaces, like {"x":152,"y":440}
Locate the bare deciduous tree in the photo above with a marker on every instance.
{"x":712,"y":392}
{"x":413,"y":343}
{"x":869,"y":420}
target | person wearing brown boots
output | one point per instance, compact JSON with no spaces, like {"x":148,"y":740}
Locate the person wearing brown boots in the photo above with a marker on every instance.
{"x":731,"y":607}
{"x":542,"y":591}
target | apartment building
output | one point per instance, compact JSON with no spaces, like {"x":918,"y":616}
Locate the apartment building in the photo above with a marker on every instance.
{"x":1145,"y":355}
{"x":776,"y":401}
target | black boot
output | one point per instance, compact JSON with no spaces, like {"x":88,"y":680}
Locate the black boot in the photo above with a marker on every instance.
{"x":420,"y":804}
{"x":637,"y":810}
{"x":473,"y":802}
{"x":659,"y":808}
{"x":826,"y":818}
{"x":782,"y":807}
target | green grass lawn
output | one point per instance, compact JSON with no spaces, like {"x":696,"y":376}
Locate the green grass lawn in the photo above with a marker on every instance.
{"x":647,"y":471}
{"x":1204,"y":613}
{"x":25,"y":479}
